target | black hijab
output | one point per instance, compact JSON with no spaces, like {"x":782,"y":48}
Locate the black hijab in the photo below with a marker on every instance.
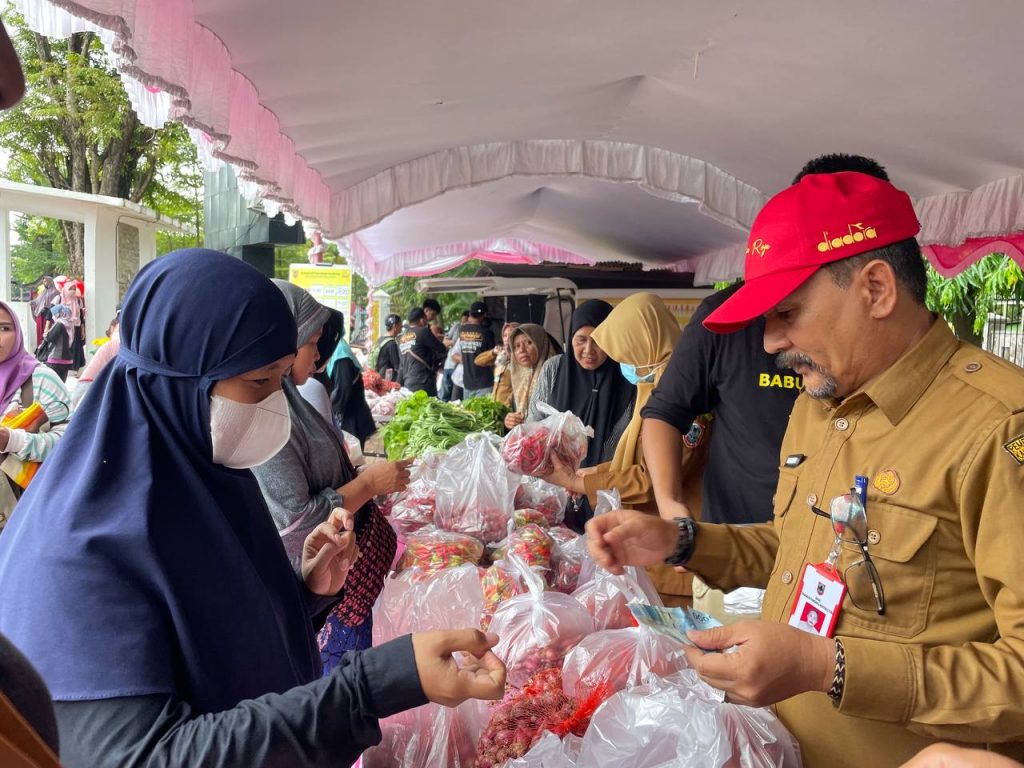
{"x":598,"y":397}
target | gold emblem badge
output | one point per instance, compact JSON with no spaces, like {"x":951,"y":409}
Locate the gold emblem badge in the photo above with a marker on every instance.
{"x":887,"y":481}
{"x":1016,"y":448}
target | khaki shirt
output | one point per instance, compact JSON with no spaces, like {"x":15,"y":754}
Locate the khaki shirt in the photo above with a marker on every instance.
{"x":939,"y":435}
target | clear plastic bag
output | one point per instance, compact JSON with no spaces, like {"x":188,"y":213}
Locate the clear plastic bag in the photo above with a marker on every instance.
{"x":538,"y":628}
{"x":531,"y":544}
{"x":530,"y":448}
{"x":620,"y":659}
{"x":430,"y":550}
{"x":500,"y":582}
{"x":413,"y":508}
{"x":431,"y":735}
{"x":550,"y":752}
{"x":474,"y":490}
{"x":567,"y":563}
{"x":417,"y":601}
{"x":428,"y":737}
{"x":535,"y":493}
{"x":607,"y":596}
{"x":681,"y":721}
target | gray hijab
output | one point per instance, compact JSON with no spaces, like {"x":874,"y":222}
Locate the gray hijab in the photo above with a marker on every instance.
{"x":310,"y":315}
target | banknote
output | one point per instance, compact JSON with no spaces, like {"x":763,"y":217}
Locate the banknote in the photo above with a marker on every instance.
{"x":672,"y":622}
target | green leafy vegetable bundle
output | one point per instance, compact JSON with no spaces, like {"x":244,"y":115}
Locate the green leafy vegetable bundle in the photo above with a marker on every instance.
{"x":422,"y":422}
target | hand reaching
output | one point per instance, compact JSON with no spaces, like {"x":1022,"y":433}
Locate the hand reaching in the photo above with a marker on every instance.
{"x":481,"y":675}
{"x":626,"y":537}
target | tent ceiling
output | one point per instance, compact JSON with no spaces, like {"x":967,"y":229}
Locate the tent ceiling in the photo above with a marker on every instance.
{"x":752,"y":89}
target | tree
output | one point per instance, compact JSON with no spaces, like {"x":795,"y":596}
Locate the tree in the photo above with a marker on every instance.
{"x":75,"y":129}
{"x":967,"y":299}
{"x":40,"y":251}
{"x":404,"y":295}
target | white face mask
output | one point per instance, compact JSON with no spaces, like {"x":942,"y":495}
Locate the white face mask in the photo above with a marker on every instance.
{"x":246,"y":435}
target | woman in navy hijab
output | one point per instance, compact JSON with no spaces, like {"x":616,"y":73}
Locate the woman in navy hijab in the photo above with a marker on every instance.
{"x":155,"y":597}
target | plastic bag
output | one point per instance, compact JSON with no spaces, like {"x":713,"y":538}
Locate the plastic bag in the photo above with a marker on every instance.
{"x":474,"y":490}
{"x":519,"y":721}
{"x":561,"y":535}
{"x":526,"y":516}
{"x":530,"y":448}
{"x":531,"y":544}
{"x":430,"y":735}
{"x":413,"y":508}
{"x":415,"y":601}
{"x":500,"y":582}
{"x":587,"y":568}
{"x":535,"y":493}
{"x":550,"y":752}
{"x":680,"y":720}
{"x":567,"y":563}
{"x":538,"y":628}
{"x":353,"y":449}
{"x":607,"y":596}
{"x":622,"y":658}
{"x":431,"y":550}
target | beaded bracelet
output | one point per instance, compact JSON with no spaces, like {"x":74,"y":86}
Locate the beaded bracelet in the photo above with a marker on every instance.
{"x":839,"y":681}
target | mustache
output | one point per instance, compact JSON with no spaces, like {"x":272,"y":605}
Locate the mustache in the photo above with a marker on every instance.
{"x":785,"y":360}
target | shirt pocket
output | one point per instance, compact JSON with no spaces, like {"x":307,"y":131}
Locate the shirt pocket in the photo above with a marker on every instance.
{"x":902,"y":545}
{"x":785,"y":492}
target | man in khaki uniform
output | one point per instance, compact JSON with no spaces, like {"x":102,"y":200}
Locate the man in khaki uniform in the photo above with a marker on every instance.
{"x":937,"y":427}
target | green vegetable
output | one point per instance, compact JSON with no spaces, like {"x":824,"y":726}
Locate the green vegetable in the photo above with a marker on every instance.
{"x":490,"y":413}
{"x":422,"y":423}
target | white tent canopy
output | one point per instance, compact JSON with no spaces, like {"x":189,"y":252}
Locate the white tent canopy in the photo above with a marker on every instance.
{"x":578,"y":131}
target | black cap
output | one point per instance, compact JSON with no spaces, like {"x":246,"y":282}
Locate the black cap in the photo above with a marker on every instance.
{"x":478,"y":309}
{"x":432,"y":304}
{"x":416,"y":314}
{"x":391,"y":321}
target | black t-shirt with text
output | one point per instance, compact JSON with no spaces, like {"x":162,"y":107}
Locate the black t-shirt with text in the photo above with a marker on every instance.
{"x":474,"y":339}
{"x":421,"y":354}
{"x":732,"y":377}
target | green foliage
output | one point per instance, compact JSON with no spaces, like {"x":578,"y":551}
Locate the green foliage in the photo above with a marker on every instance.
{"x":40,"y":250}
{"x":404,"y":295}
{"x":972,"y":294}
{"x":75,"y":129}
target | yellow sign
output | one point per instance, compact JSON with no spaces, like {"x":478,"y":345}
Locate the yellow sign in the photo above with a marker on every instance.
{"x":330,"y":285}
{"x":380,"y":308}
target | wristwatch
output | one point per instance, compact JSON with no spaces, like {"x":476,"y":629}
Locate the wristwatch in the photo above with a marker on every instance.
{"x":687,"y":538}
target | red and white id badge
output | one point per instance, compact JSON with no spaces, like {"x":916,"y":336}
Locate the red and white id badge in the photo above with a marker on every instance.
{"x":819,"y":598}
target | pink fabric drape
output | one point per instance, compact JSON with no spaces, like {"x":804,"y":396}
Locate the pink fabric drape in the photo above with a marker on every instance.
{"x":952,"y":260}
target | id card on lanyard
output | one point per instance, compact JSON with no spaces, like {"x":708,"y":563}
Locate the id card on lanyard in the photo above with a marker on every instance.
{"x":819,"y":599}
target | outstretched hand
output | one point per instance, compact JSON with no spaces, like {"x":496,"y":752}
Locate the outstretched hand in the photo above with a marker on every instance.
{"x":480,"y":675}
{"x":626,"y":537}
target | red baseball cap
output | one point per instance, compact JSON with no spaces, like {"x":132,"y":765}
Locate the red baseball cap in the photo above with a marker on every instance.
{"x":823,"y":218}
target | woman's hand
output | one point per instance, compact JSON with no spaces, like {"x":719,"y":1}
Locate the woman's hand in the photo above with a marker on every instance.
{"x":387,"y":477}
{"x":562,"y":476}
{"x":329,"y":552}
{"x":513,"y":420}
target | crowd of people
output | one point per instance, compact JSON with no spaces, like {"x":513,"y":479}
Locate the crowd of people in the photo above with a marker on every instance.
{"x":189,"y":558}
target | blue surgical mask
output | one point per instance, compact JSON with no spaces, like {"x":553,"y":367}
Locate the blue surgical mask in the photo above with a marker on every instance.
{"x":630,"y":374}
